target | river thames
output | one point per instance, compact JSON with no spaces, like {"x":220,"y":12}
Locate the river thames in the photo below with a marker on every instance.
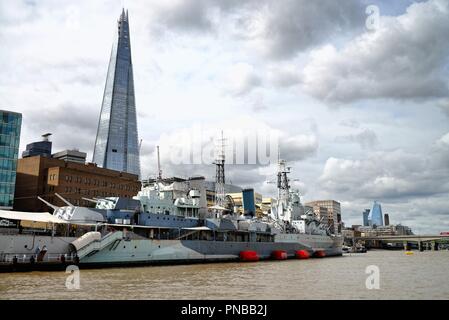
{"x":423,"y":275}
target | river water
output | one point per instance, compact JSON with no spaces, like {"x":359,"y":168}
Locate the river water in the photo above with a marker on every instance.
{"x":423,"y":275}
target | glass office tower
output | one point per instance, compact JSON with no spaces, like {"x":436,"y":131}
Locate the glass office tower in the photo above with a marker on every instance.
{"x":10,"y":124}
{"x":375,"y":216}
{"x":365,"y":217}
{"x":116,"y":145}
{"x":248,"y":201}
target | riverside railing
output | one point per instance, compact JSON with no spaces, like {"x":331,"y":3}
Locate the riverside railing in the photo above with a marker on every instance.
{"x":34,"y":258}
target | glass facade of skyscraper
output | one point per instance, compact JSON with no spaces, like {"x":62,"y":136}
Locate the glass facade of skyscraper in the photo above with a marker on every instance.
{"x":375,"y":216}
{"x":10,"y":124}
{"x":116,"y":145}
{"x":365,"y":217}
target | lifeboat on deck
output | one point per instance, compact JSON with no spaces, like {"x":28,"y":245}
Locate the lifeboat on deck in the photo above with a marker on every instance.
{"x":279,"y":255}
{"x":249,"y":256}
{"x":319,"y":254}
{"x":302,"y":254}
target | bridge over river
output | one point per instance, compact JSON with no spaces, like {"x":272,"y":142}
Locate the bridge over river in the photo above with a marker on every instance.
{"x":423,"y":241}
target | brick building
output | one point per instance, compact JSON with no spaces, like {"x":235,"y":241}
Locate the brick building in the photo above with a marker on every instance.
{"x":44,"y":176}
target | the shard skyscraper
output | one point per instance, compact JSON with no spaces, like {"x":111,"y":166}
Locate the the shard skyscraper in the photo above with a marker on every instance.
{"x":116,"y":145}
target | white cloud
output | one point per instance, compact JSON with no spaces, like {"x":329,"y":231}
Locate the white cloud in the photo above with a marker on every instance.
{"x":190,"y":150}
{"x":390,"y":174}
{"x":273,"y":29}
{"x":404,"y":59}
{"x":444,"y":140}
{"x":241,"y":78}
{"x":281,"y":29}
{"x":367,"y":138}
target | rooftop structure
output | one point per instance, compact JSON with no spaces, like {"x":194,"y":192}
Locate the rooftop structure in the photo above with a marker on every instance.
{"x":71,"y":155}
{"x":39,"y":148}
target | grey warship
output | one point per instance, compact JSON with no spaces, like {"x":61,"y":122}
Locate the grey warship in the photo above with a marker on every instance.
{"x":159,"y":226}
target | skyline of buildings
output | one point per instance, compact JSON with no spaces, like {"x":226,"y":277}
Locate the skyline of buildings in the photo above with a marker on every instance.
{"x":116,"y":143}
{"x":374,"y":217}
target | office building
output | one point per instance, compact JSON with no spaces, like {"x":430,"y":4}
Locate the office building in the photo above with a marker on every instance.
{"x":10,"y":126}
{"x":321,"y":213}
{"x":39,"y":148}
{"x":266,"y":205}
{"x":249,"y":203}
{"x":387,"y":219}
{"x":391,"y":230}
{"x":43,"y":176}
{"x":116,"y":144}
{"x":365,"y":217}
{"x":375,"y":216}
{"x":333,"y":213}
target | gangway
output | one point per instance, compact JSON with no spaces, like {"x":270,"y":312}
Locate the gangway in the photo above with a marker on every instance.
{"x":92,"y":242}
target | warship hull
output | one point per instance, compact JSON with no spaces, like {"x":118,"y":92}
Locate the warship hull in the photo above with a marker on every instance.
{"x":133,"y":252}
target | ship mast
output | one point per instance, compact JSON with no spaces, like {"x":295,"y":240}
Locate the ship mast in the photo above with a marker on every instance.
{"x":159,"y":170}
{"x":220,"y":176}
{"x":283,"y":182}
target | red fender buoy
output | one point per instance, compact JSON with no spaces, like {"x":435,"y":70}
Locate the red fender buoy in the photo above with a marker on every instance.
{"x":279,"y":255}
{"x":248,"y":256}
{"x":320,"y":254}
{"x":302,"y":254}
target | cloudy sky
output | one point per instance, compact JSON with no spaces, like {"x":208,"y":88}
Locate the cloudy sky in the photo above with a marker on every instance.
{"x":362,"y":108}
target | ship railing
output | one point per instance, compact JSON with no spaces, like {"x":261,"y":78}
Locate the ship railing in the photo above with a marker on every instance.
{"x":28,"y":257}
